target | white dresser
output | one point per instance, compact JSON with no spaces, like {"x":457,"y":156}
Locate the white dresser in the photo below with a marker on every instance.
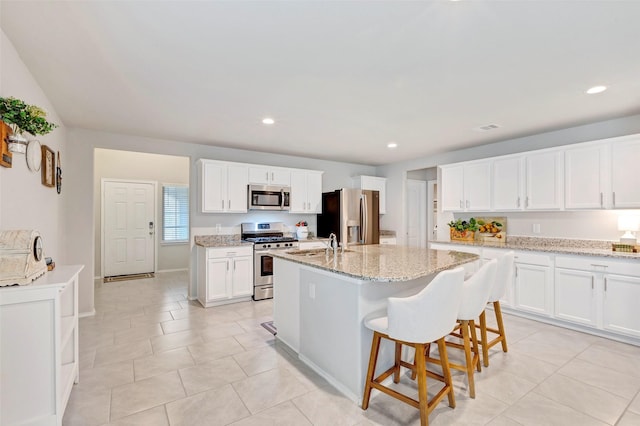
{"x":39,"y":348}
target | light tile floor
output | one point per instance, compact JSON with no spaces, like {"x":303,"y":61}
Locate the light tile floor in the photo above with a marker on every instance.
{"x":151,"y":357}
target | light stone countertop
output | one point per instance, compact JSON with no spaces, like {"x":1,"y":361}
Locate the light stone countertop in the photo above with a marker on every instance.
{"x":220,"y":241}
{"x":385,"y":263}
{"x":552,"y":245}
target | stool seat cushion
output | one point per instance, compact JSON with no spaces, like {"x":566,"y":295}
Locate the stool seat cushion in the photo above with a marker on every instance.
{"x":379,"y":324}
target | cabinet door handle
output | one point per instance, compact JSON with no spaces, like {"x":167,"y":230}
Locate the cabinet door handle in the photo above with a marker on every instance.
{"x":272,"y":174}
{"x":234,"y":265}
{"x":601,"y":199}
{"x":227,"y":265}
{"x":614,"y":199}
{"x":605,"y":284}
{"x":229,"y":204}
{"x":599,"y":266}
{"x":461,"y":205}
{"x":222,"y":204}
{"x":518,"y":203}
{"x":526,"y":202}
{"x":467,"y":203}
{"x":592,"y":279}
{"x":266,"y":176}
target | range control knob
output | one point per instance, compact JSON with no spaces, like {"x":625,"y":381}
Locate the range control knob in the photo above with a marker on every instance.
{"x":277,"y":245}
{"x":264,"y":246}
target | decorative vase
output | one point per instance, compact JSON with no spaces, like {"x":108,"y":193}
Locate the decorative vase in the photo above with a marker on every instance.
{"x":302,"y":232}
{"x":456,"y":235}
{"x":17,"y":143}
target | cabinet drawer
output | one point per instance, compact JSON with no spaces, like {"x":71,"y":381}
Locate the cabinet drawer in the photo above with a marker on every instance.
{"x":216,"y":253}
{"x":599,"y":264}
{"x":533,"y":259}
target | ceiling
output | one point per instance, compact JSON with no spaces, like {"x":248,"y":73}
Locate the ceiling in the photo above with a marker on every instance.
{"x":341,"y":79}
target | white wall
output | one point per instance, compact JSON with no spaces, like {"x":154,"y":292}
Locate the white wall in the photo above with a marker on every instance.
{"x":600,"y":225}
{"x":80,"y":187}
{"x":24,"y":202}
{"x":164,"y":169}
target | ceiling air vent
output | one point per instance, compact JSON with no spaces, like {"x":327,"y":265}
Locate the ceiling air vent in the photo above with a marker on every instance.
{"x":486,"y":128}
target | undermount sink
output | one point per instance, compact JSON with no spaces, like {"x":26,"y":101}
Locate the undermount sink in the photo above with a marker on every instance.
{"x":314,"y":252}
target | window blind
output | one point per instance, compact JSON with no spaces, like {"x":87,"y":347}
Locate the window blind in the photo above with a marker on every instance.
{"x":175,"y":213}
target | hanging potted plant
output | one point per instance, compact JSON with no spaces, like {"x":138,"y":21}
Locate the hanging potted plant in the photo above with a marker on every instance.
{"x":462,"y":230}
{"x":23,"y":118}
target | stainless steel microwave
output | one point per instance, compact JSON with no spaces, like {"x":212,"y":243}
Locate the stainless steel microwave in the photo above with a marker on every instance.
{"x":263,"y":197}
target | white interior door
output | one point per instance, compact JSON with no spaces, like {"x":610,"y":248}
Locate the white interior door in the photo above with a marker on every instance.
{"x":128,"y":228}
{"x":416,"y":213}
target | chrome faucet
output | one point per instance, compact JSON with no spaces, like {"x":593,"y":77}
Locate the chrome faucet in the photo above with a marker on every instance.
{"x":333,"y":243}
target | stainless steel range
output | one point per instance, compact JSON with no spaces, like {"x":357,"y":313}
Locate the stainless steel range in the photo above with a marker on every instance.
{"x":265,"y":237}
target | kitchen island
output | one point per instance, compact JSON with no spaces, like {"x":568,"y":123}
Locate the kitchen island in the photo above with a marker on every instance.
{"x":321,"y":301}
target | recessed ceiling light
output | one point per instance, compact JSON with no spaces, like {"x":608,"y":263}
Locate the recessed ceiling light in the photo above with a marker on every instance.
{"x":268,"y":120}
{"x":392,"y":145}
{"x":486,"y":128}
{"x":596,"y":89}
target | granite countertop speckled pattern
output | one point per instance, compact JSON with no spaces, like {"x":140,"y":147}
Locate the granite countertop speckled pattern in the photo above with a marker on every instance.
{"x":384,"y":263}
{"x":220,"y":241}
{"x":553,"y":245}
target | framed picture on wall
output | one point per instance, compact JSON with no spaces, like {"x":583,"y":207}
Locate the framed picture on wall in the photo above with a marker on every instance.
{"x":48,"y":167}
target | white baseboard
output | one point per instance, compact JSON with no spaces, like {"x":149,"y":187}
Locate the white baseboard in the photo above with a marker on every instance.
{"x":87,"y":314}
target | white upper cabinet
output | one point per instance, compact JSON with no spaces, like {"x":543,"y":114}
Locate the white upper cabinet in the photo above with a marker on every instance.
{"x":269,"y":176}
{"x":625,"y":157}
{"x":452,"y":188}
{"x":507,"y":184}
{"x":544,"y":190}
{"x":466,"y":187}
{"x":306,"y":191}
{"x":373,"y":183}
{"x":224,"y":187}
{"x":585,"y":177}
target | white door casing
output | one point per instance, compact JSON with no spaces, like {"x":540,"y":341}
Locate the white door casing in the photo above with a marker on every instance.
{"x":416,"y":213}
{"x":128,"y":227}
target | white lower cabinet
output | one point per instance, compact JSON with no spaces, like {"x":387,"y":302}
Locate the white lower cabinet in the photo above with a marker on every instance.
{"x":575,"y":296}
{"x":620,"y":303}
{"x":533,"y":288}
{"x":225,"y":275}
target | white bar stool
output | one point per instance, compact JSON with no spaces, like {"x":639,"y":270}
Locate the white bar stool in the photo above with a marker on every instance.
{"x":475,"y":294}
{"x":417,"y":321}
{"x":504,"y":275}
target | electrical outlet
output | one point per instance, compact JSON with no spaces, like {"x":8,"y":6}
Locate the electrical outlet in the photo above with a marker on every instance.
{"x":536,"y":228}
{"x":312,"y":291}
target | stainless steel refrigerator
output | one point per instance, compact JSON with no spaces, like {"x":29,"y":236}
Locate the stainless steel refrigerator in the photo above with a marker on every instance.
{"x":351,"y":214}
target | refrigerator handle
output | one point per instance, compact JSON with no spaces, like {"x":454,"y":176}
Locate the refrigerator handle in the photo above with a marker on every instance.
{"x":364,"y":225}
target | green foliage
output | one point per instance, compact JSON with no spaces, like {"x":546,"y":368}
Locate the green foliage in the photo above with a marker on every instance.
{"x":463,"y":225}
{"x":24,"y":118}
